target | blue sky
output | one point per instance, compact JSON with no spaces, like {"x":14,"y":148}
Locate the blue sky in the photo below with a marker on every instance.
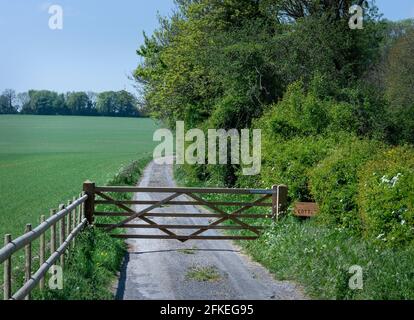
{"x":96,"y":48}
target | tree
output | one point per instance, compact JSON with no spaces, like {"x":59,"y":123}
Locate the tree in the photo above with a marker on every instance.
{"x":106,"y":103}
{"x":79,"y":103}
{"x":400,"y":72}
{"x":226,"y":61}
{"x":399,"y":80}
{"x":127,"y":104}
{"x":3,"y":105}
{"x":7,"y":102}
{"x":120,"y":104}
{"x":45,"y":103}
{"x":221,"y":64}
{"x":22,"y":100}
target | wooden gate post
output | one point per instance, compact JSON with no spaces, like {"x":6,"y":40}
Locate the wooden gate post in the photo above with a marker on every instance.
{"x":89,"y":189}
{"x":275,"y":203}
{"x":279,"y":201}
{"x":282,"y":200}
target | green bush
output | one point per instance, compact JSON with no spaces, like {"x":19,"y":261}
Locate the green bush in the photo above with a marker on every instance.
{"x":401,"y":128}
{"x":386,"y":196}
{"x":129,"y":174}
{"x":288,"y":162}
{"x":298,"y":114}
{"x":360,"y":110}
{"x":313,"y":112}
{"x":334,"y":182}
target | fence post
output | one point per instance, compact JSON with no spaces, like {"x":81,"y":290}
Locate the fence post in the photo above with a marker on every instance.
{"x":42,"y":253}
{"x":7,"y":286}
{"x":74,"y":218}
{"x":69,"y":220}
{"x":89,"y":189}
{"x":82,"y":213}
{"x":75,"y":215}
{"x":28,"y":260}
{"x":62,"y":235}
{"x":282,"y":193}
{"x":79,"y":212}
{"x":52,"y":234}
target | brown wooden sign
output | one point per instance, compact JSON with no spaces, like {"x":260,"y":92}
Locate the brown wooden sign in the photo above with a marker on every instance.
{"x":306,"y":209}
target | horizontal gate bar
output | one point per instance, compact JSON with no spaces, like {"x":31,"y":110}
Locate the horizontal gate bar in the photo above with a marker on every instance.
{"x":184,"y":190}
{"x":176,"y":203}
{"x":161,"y":237}
{"x":176,"y":226}
{"x":184,"y":215}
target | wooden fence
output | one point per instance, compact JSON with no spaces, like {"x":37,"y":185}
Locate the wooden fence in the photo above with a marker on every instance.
{"x":64,"y":225}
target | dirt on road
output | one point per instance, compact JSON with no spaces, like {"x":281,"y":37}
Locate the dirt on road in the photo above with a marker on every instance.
{"x":194,"y":270}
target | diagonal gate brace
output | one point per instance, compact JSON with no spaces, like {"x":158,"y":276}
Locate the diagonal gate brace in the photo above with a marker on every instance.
{"x":140,"y":214}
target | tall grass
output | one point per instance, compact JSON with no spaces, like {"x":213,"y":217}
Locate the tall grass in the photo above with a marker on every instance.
{"x":319,"y":258}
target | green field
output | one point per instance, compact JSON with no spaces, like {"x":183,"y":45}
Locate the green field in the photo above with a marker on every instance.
{"x":45,"y":159}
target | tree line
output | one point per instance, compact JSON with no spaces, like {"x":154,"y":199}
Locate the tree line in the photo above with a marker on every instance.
{"x":225,"y":63}
{"x":44,"y":102}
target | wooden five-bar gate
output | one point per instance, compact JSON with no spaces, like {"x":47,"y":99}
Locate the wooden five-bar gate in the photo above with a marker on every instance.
{"x":273,"y":202}
{"x":56,"y":234}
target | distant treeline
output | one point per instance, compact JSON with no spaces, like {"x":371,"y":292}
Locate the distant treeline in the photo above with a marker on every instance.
{"x":44,"y":102}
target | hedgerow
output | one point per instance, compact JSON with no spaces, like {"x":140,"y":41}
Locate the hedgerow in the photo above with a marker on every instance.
{"x":386,"y":196}
{"x":334,"y":182}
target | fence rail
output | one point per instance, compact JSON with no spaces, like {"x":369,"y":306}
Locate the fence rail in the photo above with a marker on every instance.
{"x":70,"y":219}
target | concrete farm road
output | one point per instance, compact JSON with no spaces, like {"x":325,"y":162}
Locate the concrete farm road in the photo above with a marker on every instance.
{"x":162,"y":269}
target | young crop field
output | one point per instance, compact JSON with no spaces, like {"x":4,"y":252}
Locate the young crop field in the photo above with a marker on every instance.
{"x":45,"y":159}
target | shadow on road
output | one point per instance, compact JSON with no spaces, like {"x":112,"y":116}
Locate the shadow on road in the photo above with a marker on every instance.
{"x":180,"y":250}
{"x":120,"y":291}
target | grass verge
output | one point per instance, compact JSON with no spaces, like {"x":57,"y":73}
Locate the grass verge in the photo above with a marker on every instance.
{"x":319,"y":258}
{"x":92,"y":266}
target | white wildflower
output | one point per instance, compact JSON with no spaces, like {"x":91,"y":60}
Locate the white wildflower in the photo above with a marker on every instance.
{"x":395,"y":179}
{"x":384,"y":179}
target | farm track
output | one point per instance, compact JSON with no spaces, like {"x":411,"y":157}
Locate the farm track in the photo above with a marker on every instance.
{"x":159,"y":269}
